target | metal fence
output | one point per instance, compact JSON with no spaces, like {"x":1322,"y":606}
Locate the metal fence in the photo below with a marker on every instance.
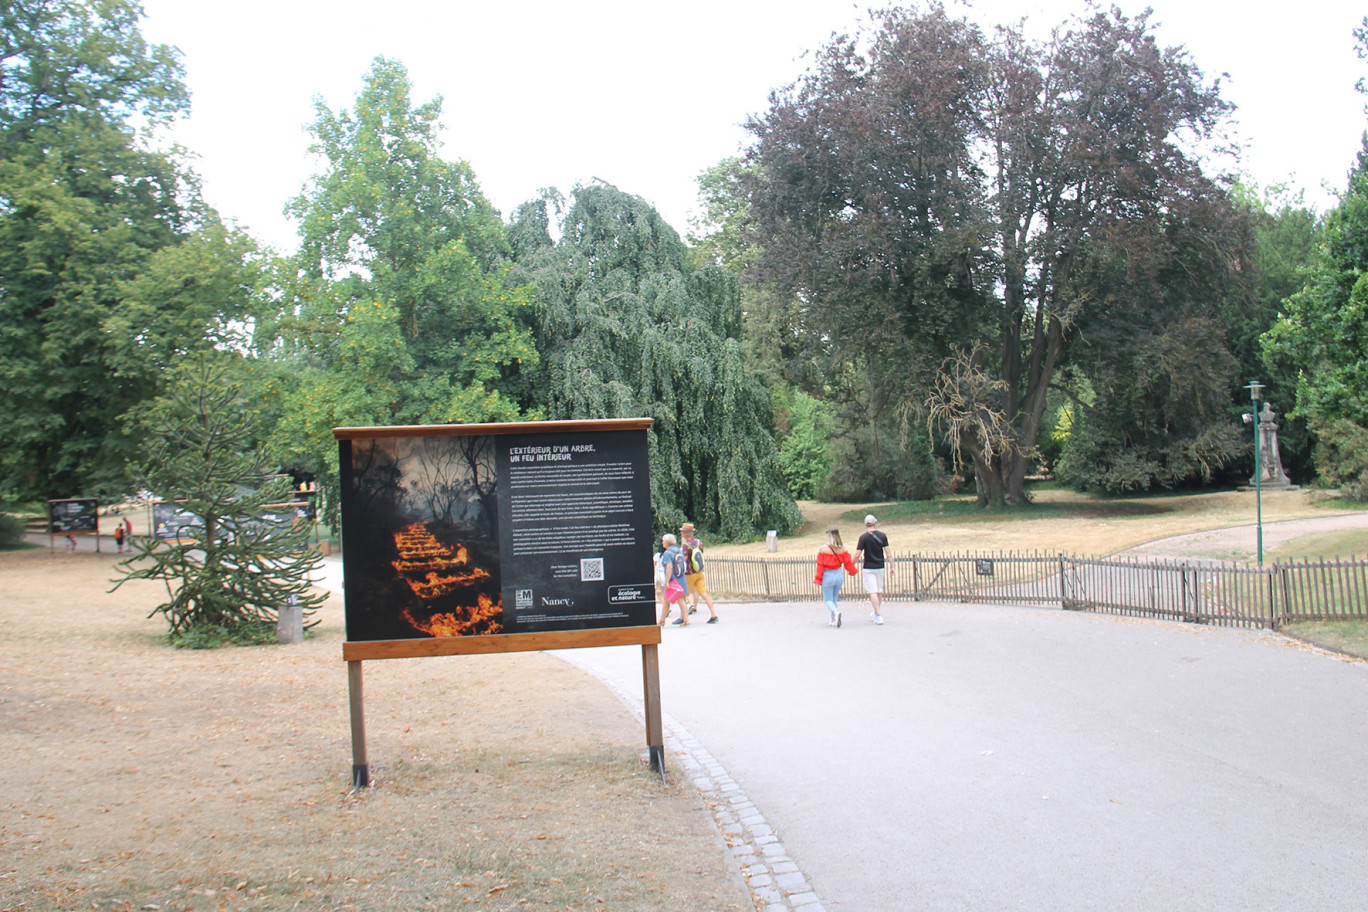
{"x":1204,"y":592}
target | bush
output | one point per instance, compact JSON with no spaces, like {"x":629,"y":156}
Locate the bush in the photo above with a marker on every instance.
{"x":1342,"y":456}
{"x":11,"y":531}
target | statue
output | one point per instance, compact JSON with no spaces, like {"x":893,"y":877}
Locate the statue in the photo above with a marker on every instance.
{"x":1270,"y":460}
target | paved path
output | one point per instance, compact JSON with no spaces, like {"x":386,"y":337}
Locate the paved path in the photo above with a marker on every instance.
{"x":968,"y":757}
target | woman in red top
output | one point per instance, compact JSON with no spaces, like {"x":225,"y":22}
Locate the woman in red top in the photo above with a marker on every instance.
{"x":833,"y":564}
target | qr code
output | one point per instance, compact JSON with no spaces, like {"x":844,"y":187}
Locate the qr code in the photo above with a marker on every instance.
{"x":591,"y":569}
{"x":523,"y":598}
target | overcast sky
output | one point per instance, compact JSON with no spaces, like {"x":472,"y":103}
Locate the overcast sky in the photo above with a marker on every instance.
{"x":645,"y":96}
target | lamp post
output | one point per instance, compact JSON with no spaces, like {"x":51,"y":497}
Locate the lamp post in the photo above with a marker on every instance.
{"x":1255,"y":387}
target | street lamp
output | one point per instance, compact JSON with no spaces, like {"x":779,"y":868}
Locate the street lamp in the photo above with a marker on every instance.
{"x":1255,"y":388}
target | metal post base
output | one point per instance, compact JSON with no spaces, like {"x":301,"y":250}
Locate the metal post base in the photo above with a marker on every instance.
{"x":658,"y":761}
{"x":361,"y":776}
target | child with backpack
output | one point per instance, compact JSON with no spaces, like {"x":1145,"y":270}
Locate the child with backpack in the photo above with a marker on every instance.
{"x":676,"y":586}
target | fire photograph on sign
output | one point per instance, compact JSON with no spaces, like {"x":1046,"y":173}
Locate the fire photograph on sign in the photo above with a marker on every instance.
{"x":420,"y":531}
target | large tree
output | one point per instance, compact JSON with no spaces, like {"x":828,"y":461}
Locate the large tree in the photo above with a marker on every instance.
{"x":1323,"y":335}
{"x":85,"y":202}
{"x":397,"y":309}
{"x":627,"y":328}
{"x":1322,"y":332}
{"x":1286,"y":235}
{"x":933,"y":189}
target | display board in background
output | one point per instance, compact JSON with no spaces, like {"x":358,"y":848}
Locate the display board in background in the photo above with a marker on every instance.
{"x":74,"y":516}
{"x":470,"y":530}
{"x":171,"y":522}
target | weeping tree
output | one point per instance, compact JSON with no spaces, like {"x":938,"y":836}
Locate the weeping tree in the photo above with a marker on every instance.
{"x":626,"y":328}
{"x":243,"y":557}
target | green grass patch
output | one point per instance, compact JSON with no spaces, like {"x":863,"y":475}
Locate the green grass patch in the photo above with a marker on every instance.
{"x":1350,"y":637}
{"x":1346,"y":543}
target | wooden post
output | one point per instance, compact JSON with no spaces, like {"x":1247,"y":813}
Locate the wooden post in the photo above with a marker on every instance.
{"x":655,"y":729}
{"x":360,"y":768}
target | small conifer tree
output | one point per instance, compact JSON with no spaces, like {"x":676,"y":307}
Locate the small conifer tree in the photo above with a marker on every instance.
{"x":240,"y":560}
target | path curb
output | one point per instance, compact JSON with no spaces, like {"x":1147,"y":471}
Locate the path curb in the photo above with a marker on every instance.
{"x":773,"y":878}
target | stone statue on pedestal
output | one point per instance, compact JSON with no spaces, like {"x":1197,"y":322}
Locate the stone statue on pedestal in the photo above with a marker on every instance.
{"x":1270,"y":460}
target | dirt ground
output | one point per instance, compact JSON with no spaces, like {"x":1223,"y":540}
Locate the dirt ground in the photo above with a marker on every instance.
{"x":135,"y":776}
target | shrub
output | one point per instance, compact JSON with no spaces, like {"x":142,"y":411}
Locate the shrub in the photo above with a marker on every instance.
{"x":11,"y":531}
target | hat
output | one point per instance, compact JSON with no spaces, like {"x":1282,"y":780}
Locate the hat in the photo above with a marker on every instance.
{"x":870,"y":520}
{"x":687,"y":527}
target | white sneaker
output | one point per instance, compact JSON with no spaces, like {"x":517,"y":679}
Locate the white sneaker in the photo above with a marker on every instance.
{"x":832,"y":622}
{"x":838,"y":619}
{"x":878,"y":619}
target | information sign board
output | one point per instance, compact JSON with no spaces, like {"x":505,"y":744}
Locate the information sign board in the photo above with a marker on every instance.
{"x":496,"y":529}
{"x":78,"y":516}
{"x":171,"y":522}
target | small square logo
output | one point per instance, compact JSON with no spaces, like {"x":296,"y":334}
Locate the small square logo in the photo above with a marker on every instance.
{"x":523,"y":598}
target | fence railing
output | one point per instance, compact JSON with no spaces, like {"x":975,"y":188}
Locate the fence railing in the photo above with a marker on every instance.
{"x":1204,"y":592}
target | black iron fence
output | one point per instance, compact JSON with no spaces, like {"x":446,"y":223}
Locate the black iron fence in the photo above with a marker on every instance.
{"x":1204,"y":592}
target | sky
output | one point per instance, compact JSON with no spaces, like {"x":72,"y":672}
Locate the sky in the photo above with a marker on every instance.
{"x":646,"y":96}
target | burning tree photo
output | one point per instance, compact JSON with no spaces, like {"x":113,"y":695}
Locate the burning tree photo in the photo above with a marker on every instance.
{"x":427,"y":549}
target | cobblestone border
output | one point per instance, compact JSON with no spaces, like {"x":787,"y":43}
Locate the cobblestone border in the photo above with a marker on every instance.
{"x":773,"y":878}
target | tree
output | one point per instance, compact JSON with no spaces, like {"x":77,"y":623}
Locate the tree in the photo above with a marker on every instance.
{"x":84,"y":204}
{"x":627,"y":329}
{"x":934,"y":189}
{"x":1323,"y":333}
{"x":397,"y":308}
{"x":1285,"y":235}
{"x":246,"y":560}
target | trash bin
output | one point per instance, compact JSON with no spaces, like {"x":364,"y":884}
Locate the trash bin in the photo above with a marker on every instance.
{"x":772,"y":541}
{"x":290,"y":622}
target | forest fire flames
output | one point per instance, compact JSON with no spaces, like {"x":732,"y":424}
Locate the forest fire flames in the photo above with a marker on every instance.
{"x":483,"y":615}
{"x":436,"y":571}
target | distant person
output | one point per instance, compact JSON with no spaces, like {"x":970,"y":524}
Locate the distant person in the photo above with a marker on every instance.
{"x":833,"y":564}
{"x":71,"y":543}
{"x":128,"y":531}
{"x":659,"y":572}
{"x":693,"y":562}
{"x":869,"y":552}
{"x":672,"y":563}
{"x":119,"y":537}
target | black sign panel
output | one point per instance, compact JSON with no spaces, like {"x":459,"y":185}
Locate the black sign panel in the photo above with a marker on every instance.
{"x":75,"y":515}
{"x":464,"y":535}
{"x":575,"y":529}
{"x":170,"y":522}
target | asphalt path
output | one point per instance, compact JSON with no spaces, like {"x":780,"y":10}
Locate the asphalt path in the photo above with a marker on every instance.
{"x":973,"y":757}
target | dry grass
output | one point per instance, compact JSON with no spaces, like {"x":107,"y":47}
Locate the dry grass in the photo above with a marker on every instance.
{"x":137,"y":776}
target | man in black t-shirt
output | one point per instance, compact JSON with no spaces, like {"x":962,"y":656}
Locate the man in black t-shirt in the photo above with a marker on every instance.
{"x":870,"y":548}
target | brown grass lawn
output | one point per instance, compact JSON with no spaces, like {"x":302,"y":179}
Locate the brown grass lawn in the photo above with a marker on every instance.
{"x":137,"y":776}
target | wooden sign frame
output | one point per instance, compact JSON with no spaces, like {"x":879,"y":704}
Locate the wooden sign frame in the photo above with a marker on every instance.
{"x":355,"y":652}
